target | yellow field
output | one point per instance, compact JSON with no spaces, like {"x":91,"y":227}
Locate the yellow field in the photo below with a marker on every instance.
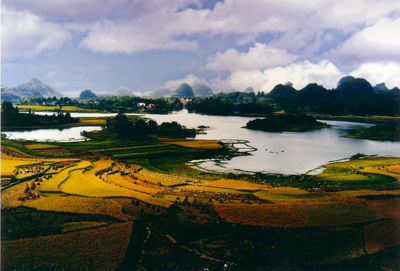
{"x":381,"y":171}
{"x":287,"y":191}
{"x":100,"y":165}
{"x":122,"y":180}
{"x":54,"y":108}
{"x":156,"y":178}
{"x":81,"y":205}
{"x":8,"y":166}
{"x":92,"y":121}
{"x":40,"y":146}
{"x":238,"y":185}
{"x":96,"y":249}
{"x":12,"y":149}
{"x":91,"y":186}
{"x":21,"y":176}
{"x":209,"y":189}
{"x":199,"y":144}
{"x":365,"y":163}
{"x":52,"y":184}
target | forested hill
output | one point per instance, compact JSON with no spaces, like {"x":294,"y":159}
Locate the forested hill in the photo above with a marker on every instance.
{"x":352,"y":96}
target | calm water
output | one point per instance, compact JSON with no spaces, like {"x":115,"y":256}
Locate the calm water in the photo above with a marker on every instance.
{"x":286,"y":152}
{"x":52,"y":135}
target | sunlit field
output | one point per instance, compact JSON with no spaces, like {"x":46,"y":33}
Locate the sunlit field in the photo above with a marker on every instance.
{"x":54,"y":108}
{"x":201,"y":144}
{"x":238,"y":185}
{"x":87,"y":203}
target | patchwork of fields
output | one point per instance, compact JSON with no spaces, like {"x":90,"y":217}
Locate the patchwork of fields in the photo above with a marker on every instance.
{"x":102,"y":207}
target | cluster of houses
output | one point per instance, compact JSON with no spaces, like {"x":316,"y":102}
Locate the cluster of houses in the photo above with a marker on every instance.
{"x":144,"y":106}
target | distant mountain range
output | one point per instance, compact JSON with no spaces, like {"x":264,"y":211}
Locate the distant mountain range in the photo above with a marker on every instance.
{"x":30,"y":89}
{"x":350,"y":85}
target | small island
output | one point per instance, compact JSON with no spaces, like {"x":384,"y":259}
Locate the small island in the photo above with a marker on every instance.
{"x":381,"y":132}
{"x":281,"y":123}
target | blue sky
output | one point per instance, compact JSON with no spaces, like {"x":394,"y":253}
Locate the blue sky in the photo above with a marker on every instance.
{"x":102,"y":45}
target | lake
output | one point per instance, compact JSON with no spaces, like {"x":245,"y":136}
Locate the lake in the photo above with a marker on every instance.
{"x":286,"y":152}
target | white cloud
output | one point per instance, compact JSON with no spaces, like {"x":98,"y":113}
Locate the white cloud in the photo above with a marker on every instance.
{"x":258,"y":57}
{"x":190,"y":80}
{"x":378,"y":42}
{"x":25,"y":35}
{"x":300,"y":74}
{"x":380,"y":72}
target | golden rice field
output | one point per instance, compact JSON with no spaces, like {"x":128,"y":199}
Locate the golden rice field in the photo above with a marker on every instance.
{"x":276,"y":215}
{"x":354,"y":193}
{"x":52,"y":184}
{"x":91,"y":186}
{"x":9,"y":166}
{"x":95,"y":249}
{"x":199,"y":144}
{"x":238,"y":185}
{"x":209,"y":189}
{"x":122,"y":180}
{"x":290,"y":194}
{"x":22,"y":176}
{"x":9,"y":196}
{"x":381,"y":171}
{"x":100,"y":165}
{"x":92,"y":121}
{"x":382,"y":235}
{"x":54,"y":108}
{"x":365,"y":163}
{"x":164,"y":179}
{"x":76,"y":204}
{"x":395,"y":169}
{"x":15,"y":150}
{"x":40,"y":146}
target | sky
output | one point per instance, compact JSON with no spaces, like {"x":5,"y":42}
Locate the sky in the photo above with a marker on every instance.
{"x":102,"y":45}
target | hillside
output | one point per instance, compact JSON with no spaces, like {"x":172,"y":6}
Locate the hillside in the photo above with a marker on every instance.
{"x":184,"y":90}
{"x":87,"y":94}
{"x":122,"y":91}
{"x":8,"y":95}
{"x":35,"y":88}
{"x":202,"y":90}
{"x":159,"y":92}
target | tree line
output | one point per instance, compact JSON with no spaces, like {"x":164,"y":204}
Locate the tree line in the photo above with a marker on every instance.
{"x":125,"y":128}
{"x":10,"y":116}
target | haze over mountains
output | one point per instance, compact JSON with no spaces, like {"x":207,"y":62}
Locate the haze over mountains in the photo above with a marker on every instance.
{"x":35,"y":88}
{"x":30,"y":89}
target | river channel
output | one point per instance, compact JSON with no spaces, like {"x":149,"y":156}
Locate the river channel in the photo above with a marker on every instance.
{"x":286,"y":152}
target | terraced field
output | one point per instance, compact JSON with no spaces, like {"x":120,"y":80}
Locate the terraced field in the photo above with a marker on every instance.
{"x":52,"y":185}
{"x":87,"y":205}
